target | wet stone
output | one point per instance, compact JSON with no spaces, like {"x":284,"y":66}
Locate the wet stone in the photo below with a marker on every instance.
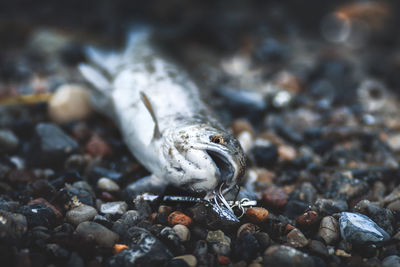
{"x":112,"y":208}
{"x":383,"y":217}
{"x":201,"y":252}
{"x":178,"y":217}
{"x":220,"y":243}
{"x":71,"y":197}
{"x":330,"y":206}
{"x":346,"y":188}
{"x":39,"y":215}
{"x":297,"y":238}
{"x":51,"y":145}
{"x":329,"y":230}
{"x":107,"y":185}
{"x":102,"y":236}
{"x":182,"y":231}
{"x":12,"y":227}
{"x":80,"y":214}
{"x":358,"y":229}
{"x":57,"y":252}
{"x":103,"y":220}
{"x":286,"y":256}
{"x":127,"y":220}
{"x":172,"y":240}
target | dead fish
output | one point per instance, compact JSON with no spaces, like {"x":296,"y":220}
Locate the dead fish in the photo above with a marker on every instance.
{"x":162,"y":118}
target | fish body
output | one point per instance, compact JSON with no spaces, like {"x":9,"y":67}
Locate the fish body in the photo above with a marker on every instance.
{"x":162,"y":118}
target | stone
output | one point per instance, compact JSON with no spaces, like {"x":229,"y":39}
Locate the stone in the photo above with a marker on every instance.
{"x":98,"y":147}
{"x":220,"y":243}
{"x":297,"y":238}
{"x":80,"y":214}
{"x":112,"y":208}
{"x":71,"y":197}
{"x":318,"y":248}
{"x":390,"y":261}
{"x":294,"y":209}
{"x":102,"y":236}
{"x":12,"y":227}
{"x":47,"y":204}
{"x":171,"y":240}
{"x":246,"y":228}
{"x":346,"y":188}
{"x":330,"y":206}
{"x":189,"y":259}
{"x":69,"y":102}
{"x":358,"y":229}
{"x":178,"y":217}
{"x":103,"y":220}
{"x":329,"y":230}
{"x":51,"y":145}
{"x":383,"y":217}
{"x":275,"y":197}
{"x":182,"y":231}
{"x":8,"y":141}
{"x":257,"y":214}
{"x":246,"y":247}
{"x":308,"y":219}
{"x":108,"y":185}
{"x":263,"y":240}
{"x":279,"y":255}
{"x":128,"y":219}
{"x":38,"y":215}
{"x":145,"y":250}
{"x":265,"y":154}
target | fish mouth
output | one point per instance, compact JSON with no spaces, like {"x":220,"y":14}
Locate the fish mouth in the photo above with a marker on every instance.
{"x":224,"y":165}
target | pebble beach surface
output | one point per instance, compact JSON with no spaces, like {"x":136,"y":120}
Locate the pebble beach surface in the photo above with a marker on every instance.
{"x":318,"y":118}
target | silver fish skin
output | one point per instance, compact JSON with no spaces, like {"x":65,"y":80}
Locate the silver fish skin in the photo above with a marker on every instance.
{"x":161,"y":116}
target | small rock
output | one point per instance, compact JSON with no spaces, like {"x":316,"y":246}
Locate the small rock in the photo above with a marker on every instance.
{"x":189,"y":259}
{"x":383,"y":217}
{"x":102,"y":236}
{"x":97,"y":147}
{"x":287,"y":152}
{"x":295,"y":209}
{"x":80,"y":214}
{"x":279,"y":255}
{"x":103,"y":220}
{"x":318,"y":248}
{"x":47,"y":204}
{"x":12,"y":227}
{"x":119,"y":247}
{"x":394,"y":206}
{"x":263,"y":240}
{"x":127,"y":220}
{"x":163,"y":209}
{"x":220,"y":242}
{"x":178,"y":217}
{"x":182,"y":231}
{"x":201,"y":253}
{"x":118,"y":207}
{"x":330,"y":206}
{"x":246,"y":247}
{"x":275,"y":197}
{"x":57,"y":252}
{"x":329,"y":230}
{"x":358,"y":229}
{"x":8,"y":141}
{"x":108,"y":185}
{"x":307,"y":193}
{"x":296,"y":238}
{"x":390,"y":261}
{"x":39,"y":215}
{"x":224,"y":260}
{"x":246,"y":228}
{"x":70,"y":102}
{"x":257,"y":214}
{"x":265,"y":154}
{"x":346,"y":188}
{"x":171,"y":240}
{"x":71,"y":197}
{"x":308,"y":219}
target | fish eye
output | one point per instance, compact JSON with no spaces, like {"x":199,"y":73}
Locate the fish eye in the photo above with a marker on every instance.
{"x":217,"y":139}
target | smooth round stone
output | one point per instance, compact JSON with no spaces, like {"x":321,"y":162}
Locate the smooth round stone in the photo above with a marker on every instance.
{"x":286,"y":256}
{"x":189,"y":259}
{"x":70,"y":102}
{"x":107,"y":185}
{"x":358,"y":229}
{"x":391,"y":261}
{"x":329,"y":230}
{"x":103,"y":236}
{"x":182,"y":231}
{"x":297,"y":238}
{"x":118,"y":207}
{"x":80,"y":214}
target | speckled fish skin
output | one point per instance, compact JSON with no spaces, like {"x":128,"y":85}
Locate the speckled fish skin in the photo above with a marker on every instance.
{"x":173,"y":135}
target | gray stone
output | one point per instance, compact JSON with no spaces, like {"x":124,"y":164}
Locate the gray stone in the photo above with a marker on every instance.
{"x":358,"y":229}
{"x":190,"y":260}
{"x":103,"y":236}
{"x":391,"y":261}
{"x":381,"y":216}
{"x":297,"y":238}
{"x":53,"y":139}
{"x":118,"y":207}
{"x":8,"y":141}
{"x":329,"y":230}
{"x":279,"y":255}
{"x":107,"y":185}
{"x":127,"y":220}
{"x":318,"y":248}
{"x":330,"y":206}
{"x":80,"y":214}
{"x":182,"y":231}
{"x":12,"y":227}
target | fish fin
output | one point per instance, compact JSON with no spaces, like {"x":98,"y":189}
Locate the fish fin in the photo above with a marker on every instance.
{"x":107,"y":60}
{"x":137,"y":38}
{"x":147,"y":104}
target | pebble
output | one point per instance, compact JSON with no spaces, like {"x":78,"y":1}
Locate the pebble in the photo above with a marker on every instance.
{"x":329,"y":230}
{"x":346,"y":188}
{"x":47,"y":204}
{"x":103,"y":220}
{"x":246,"y":228}
{"x":394,"y":206}
{"x":246,"y":247}
{"x":178,"y":217}
{"x":102,"y":236}
{"x":383,"y":217}
{"x":275,"y":197}
{"x":257,"y":214}
{"x":80,"y":214}
{"x":391,"y":261}
{"x":330,"y":206}
{"x":318,"y":248}
{"x":71,"y":197}
{"x":279,"y":255}
{"x":98,"y":147}
{"x":69,"y":102}
{"x":170,"y":239}
{"x":287,"y":152}
{"x":182,"y":231}
{"x":263,"y":240}
{"x":12,"y":227}
{"x":265,"y":155}
{"x":51,"y":145}
{"x":190,"y":260}
{"x":119,"y":247}
{"x":38,"y":215}
{"x":128,"y":219}
{"x":220,"y":242}
{"x":358,"y":229}
{"x":8,"y":141}
{"x":296,"y":238}
{"x":309,"y":218}
{"x":107,"y":185}
{"x":112,"y":208}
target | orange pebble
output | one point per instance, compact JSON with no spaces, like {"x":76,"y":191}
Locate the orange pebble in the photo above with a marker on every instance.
{"x":257,"y":214}
{"x":119,"y":247}
{"x":224,"y":260}
{"x":178,"y":217}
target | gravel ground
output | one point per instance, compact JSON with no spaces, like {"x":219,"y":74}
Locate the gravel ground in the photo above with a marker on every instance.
{"x":311,"y":95}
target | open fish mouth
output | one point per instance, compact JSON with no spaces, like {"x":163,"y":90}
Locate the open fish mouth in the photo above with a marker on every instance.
{"x":224,"y":165}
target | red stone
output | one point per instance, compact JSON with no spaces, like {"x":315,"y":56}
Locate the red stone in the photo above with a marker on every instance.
{"x":275,"y":197}
{"x":178,"y":217}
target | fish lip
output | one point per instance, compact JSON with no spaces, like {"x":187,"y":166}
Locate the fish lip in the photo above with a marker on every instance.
{"x":225,"y":164}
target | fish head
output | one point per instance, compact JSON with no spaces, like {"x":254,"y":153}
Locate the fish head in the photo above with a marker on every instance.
{"x":202,"y":158}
